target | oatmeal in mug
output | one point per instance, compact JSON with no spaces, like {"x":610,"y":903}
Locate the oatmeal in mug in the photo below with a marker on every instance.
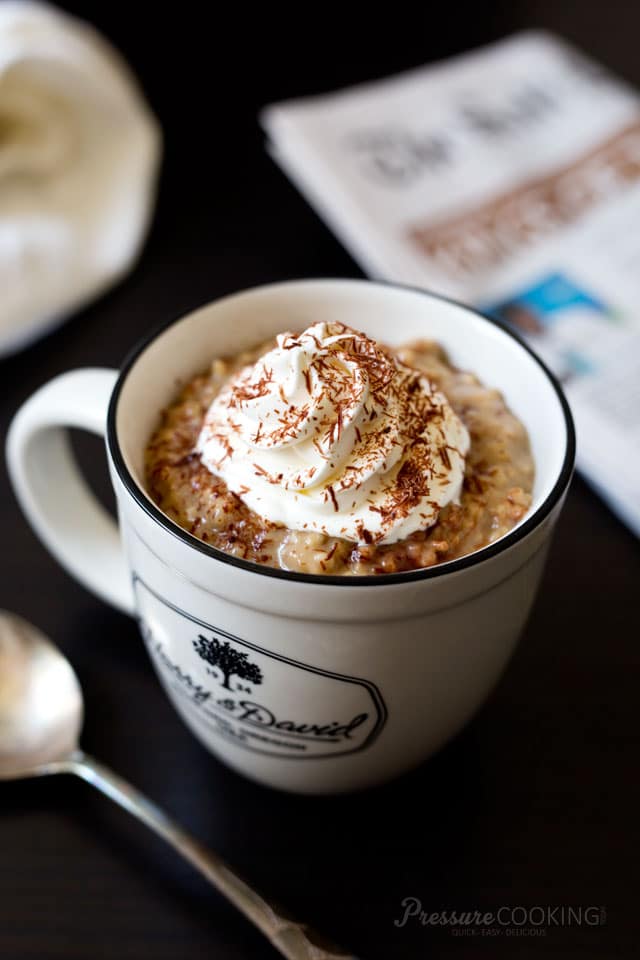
{"x":394,"y":459}
{"x":326,"y":452}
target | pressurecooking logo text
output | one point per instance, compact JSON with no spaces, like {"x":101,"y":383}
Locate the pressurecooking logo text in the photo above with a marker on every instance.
{"x":506,"y":920}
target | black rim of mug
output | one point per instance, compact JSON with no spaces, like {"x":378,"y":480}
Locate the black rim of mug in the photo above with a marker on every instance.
{"x":383,"y":579}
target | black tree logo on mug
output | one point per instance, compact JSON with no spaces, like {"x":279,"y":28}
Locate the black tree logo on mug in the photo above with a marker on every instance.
{"x":230,"y":662}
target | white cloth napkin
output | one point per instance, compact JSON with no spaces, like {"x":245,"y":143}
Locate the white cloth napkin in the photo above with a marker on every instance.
{"x":508,"y":178}
{"x":79,"y":153}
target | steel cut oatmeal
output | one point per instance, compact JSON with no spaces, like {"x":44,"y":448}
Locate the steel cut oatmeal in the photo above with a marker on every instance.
{"x":324,"y":452}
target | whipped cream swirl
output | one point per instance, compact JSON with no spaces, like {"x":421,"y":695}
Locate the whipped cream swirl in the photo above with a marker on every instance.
{"x":328,"y":433}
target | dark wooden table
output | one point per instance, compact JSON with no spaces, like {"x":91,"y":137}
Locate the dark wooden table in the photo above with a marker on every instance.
{"x":535,"y":803}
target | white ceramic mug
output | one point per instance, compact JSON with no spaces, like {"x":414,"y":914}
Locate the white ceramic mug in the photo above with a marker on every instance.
{"x":308,"y":683}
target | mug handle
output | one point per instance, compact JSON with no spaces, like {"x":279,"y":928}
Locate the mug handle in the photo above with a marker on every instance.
{"x":54,"y":496}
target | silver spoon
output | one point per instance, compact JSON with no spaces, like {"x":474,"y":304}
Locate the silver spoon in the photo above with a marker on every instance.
{"x":41,"y":711}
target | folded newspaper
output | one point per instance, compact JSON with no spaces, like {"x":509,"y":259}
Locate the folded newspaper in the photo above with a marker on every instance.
{"x":508,"y":178}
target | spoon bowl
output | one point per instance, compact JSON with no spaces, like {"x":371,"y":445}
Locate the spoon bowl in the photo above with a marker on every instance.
{"x":41,"y":706}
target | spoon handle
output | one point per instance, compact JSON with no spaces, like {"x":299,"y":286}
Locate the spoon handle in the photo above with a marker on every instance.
{"x":293,"y":940}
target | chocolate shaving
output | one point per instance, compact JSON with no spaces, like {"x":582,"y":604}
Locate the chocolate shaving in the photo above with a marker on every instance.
{"x":444,"y":456}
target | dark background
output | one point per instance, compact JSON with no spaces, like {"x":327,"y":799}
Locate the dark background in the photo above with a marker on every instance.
{"x":536,"y":802}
